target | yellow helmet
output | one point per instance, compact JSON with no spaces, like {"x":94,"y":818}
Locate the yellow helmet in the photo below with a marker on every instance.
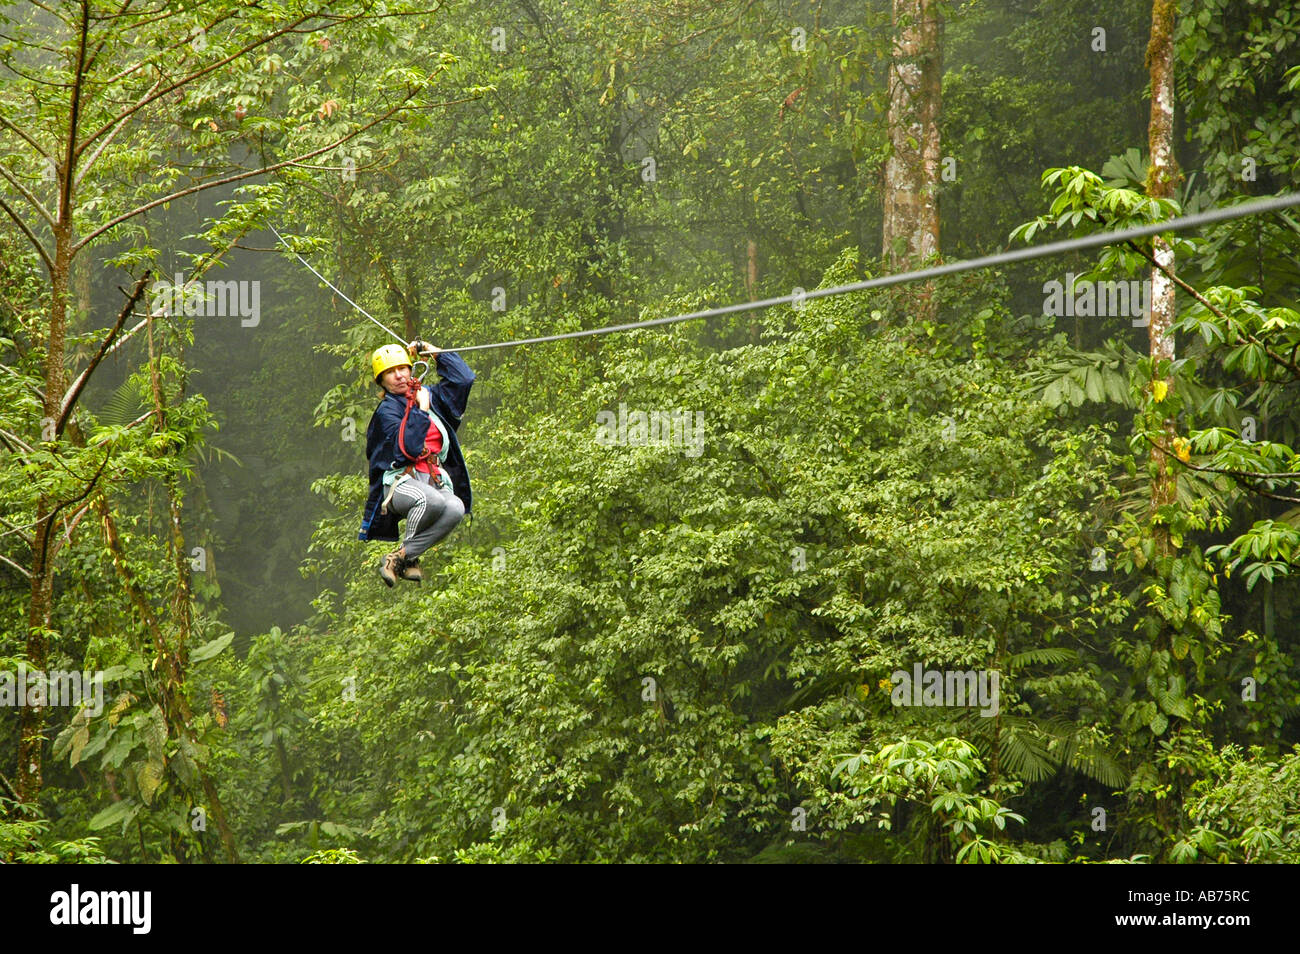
{"x":389,"y":356}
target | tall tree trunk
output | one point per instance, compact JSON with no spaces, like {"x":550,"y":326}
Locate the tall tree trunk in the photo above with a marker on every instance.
{"x":31,"y":732}
{"x":911,"y":198}
{"x":182,"y":600}
{"x":40,"y":607}
{"x":81,"y":270}
{"x":31,"y":725}
{"x":1162,"y":178}
{"x":1161,"y":181}
{"x":751,"y":269}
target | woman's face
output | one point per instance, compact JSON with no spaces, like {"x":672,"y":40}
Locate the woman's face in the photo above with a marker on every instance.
{"x":396,"y":380}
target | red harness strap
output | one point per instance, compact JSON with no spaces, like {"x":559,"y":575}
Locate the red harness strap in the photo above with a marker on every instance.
{"x":401,"y":444}
{"x":401,"y":430}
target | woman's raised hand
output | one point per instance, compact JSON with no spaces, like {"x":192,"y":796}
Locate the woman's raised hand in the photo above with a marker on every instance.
{"x":422,"y":347}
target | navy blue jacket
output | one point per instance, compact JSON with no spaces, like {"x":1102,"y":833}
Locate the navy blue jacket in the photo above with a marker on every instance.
{"x":448,"y":402}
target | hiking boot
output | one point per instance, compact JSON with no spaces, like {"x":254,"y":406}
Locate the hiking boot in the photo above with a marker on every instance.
{"x":391,"y":568}
{"x":411,"y":570}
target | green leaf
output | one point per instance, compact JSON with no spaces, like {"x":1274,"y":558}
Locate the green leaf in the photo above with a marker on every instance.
{"x":79,"y":741}
{"x":154,"y":731}
{"x":210,"y":649}
{"x":148,"y":775}
{"x":122,"y":811}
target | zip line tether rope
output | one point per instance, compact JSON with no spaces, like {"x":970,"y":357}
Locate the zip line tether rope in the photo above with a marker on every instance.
{"x":988,"y":261}
{"x":337,"y":290}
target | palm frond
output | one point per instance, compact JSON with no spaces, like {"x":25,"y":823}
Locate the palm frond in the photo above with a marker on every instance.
{"x":1094,"y":762}
{"x":1041,"y":656}
{"x":1024,"y":750}
{"x":123,"y":406}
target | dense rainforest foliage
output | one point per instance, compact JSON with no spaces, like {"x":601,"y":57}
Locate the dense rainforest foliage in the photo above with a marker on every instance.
{"x":711,"y":567}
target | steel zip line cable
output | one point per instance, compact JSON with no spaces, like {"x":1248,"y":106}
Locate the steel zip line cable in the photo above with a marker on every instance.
{"x":924,"y":274}
{"x":336,"y":288}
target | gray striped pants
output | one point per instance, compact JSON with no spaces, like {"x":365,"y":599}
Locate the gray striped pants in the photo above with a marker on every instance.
{"x":430,"y":514}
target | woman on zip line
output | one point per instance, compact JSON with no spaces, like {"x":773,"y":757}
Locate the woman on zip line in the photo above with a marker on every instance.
{"x":417,"y":470}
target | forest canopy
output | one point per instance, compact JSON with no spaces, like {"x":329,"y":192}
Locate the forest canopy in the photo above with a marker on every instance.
{"x":989,"y":568}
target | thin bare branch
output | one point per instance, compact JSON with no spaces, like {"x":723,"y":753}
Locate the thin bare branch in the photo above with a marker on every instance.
{"x":33,"y":79}
{"x":163,"y":53}
{"x":23,"y":135}
{"x":35,"y":390}
{"x":31,"y":236}
{"x":1239,"y":474}
{"x":68,"y":528}
{"x":106,"y":34}
{"x":23,"y":532}
{"x":74,"y":392}
{"x":71,"y":152}
{"x":189,"y":78}
{"x":130,"y":331}
{"x":195,"y":274}
{"x":140,"y":210}
{"x":139,"y":420}
{"x":1291,"y":365}
{"x":13,"y":438}
{"x":34,"y":202}
{"x":103,"y":144}
{"x":24,"y":572}
{"x":44,"y":542}
{"x":54,"y":12}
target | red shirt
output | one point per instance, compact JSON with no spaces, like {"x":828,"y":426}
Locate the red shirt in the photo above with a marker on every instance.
{"x":432,"y":447}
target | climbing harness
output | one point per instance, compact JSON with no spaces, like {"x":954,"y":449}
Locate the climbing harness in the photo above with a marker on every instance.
{"x":411,"y":401}
{"x":1225,"y":213}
